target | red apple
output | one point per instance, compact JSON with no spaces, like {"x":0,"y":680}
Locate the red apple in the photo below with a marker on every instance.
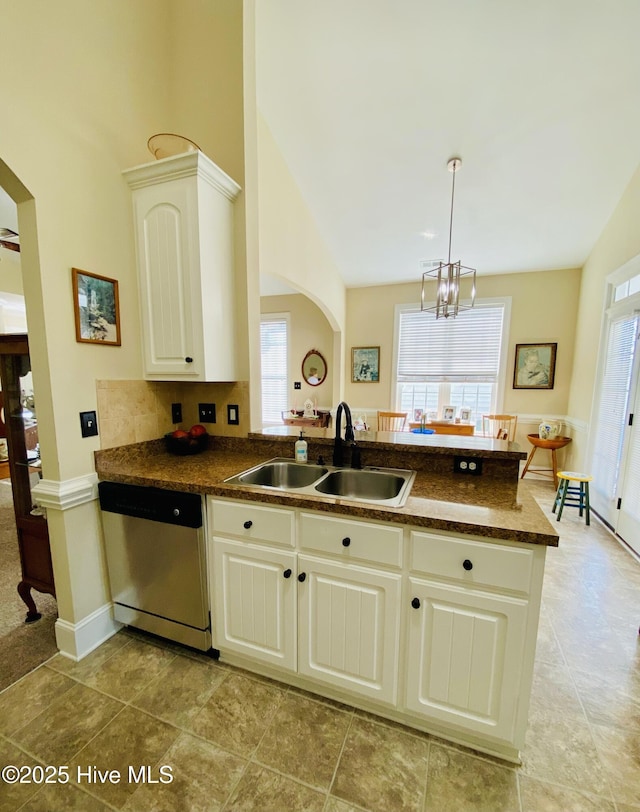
{"x":197,"y":430}
{"x":179,"y":434}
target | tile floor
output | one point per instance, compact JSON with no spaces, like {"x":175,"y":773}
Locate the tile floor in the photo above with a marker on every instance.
{"x":236,"y":742}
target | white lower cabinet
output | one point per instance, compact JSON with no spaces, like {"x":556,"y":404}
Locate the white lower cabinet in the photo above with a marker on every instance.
{"x":437,"y":631}
{"x":254,"y":601}
{"x":464,"y":659}
{"x":349,"y":627}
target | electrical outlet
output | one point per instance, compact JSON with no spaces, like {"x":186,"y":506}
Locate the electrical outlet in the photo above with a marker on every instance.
{"x":176,"y":412}
{"x":297,"y":385}
{"x":467,"y":465}
{"x":233,"y":415}
{"x":207,"y":412}
{"x":88,"y":424}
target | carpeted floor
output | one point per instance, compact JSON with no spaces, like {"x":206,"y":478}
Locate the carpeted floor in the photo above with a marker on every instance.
{"x":23,"y":646}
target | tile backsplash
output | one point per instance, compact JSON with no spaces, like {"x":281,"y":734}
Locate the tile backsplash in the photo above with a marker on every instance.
{"x":136,"y":411}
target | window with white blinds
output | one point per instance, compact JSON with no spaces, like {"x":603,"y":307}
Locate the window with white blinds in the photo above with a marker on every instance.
{"x":274,"y":353}
{"x":454,"y":361}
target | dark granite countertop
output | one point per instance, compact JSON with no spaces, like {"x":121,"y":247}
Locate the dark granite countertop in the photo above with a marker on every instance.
{"x":439,"y":500}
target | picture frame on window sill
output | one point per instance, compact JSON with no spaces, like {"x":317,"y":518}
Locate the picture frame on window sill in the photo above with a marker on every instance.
{"x":535,"y":366}
{"x":365,"y":364}
{"x":448,"y":412}
{"x":96,"y":308}
{"x":465,"y":414}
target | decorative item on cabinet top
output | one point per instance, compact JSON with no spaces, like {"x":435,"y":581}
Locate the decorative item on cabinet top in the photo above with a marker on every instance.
{"x":164,"y":145}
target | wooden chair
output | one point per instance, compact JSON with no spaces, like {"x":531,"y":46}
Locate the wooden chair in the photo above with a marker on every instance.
{"x":500,"y":426}
{"x":391,"y":421}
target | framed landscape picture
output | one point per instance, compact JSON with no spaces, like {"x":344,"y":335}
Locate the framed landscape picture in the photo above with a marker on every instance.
{"x":535,"y":366}
{"x":96,"y":308}
{"x":365,"y":364}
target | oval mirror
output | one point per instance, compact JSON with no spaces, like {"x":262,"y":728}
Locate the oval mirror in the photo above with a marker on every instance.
{"x":314,"y":368}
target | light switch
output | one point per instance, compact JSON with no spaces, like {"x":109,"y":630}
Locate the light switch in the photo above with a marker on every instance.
{"x":233,"y":415}
{"x":88,"y":424}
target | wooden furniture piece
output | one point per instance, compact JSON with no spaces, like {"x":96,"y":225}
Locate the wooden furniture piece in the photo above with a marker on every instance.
{"x":391,"y":421}
{"x":321,"y":420}
{"x":572,"y":495}
{"x":551,"y":445}
{"x":446,"y":427}
{"x":33,"y":533}
{"x":183,"y":219}
{"x":500,"y":426}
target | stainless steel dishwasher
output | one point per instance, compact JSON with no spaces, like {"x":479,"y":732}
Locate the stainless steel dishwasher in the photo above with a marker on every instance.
{"x":155,"y":548}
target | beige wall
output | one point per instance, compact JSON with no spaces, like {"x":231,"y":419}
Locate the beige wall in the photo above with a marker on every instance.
{"x":543,"y":309}
{"x":618,"y":244}
{"x":290,"y":246}
{"x":309,"y":330}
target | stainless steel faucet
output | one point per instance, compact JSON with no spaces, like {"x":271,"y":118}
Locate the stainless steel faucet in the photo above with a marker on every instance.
{"x":349,"y":437}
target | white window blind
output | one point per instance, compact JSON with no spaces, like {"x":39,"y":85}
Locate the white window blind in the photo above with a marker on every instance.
{"x":466,"y":348}
{"x":275,"y":363}
{"x":613,"y":404}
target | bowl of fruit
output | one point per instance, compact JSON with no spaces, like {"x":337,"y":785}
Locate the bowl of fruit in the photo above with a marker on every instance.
{"x":187,"y":442}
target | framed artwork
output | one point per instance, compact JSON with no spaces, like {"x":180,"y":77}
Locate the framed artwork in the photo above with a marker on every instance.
{"x":365,"y":364}
{"x":465,"y":414}
{"x":535,"y":366}
{"x":448,"y":412}
{"x":96,"y":308}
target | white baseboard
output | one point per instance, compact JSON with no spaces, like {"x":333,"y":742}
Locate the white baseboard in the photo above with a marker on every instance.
{"x":76,"y":640}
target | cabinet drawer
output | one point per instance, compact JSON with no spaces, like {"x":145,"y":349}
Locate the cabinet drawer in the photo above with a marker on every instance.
{"x":476,"y":563}
{"x":351,"y":540}
{"x":252,"y":522}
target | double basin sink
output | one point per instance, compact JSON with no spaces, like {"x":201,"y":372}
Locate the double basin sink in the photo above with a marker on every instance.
{"x":381,"y":486}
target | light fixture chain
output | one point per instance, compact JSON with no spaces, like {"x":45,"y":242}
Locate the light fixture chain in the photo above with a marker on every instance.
{"x":453,"y":190}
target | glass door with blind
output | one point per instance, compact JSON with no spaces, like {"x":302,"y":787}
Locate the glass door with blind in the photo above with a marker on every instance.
{"x":616,"y":425}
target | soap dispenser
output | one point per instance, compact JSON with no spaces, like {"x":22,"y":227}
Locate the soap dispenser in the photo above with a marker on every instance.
{"x":301,"y":449}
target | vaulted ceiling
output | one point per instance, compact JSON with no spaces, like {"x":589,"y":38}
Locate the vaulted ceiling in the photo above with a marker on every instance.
{"x":368,"y":99}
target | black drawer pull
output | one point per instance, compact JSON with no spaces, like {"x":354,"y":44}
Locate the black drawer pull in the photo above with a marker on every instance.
{"x":189,"y":359}
{"x":287,"y":573}
{"x":248,"y":524}
{"x":415,"y":603}
{"x":468,"y":565}
{"x":302,"y":577}
{"x":346,"y":542}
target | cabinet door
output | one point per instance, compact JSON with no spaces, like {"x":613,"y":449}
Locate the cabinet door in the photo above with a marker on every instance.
{"x":254,"y":600}
{"x":166,"y":228}
{"x":349,"y":620}
{"x":464,"y":658}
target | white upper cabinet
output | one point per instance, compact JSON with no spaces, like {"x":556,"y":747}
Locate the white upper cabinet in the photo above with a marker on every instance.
{"x":183,"y":215}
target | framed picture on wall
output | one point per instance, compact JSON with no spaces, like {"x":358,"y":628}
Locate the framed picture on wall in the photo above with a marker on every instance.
{"x":365,"y":364}
{"x":96,"y":308}
{"x":535,"y":366}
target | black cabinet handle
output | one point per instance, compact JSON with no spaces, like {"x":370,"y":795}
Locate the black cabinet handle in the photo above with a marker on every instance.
{"x":346,"y":542}
{"x":287,"y":573}
{"x":468,"y":565}
{"x":188,"y":359}
{"x":247,"y":524}
{"x":302,"y":577}
{"x":415,"y":603}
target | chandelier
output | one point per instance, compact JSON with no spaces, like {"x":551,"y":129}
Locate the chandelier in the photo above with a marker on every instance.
{"x":448,"y":275}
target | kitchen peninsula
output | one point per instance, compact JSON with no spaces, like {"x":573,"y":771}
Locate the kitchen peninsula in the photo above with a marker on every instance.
{"x":426,"y":613}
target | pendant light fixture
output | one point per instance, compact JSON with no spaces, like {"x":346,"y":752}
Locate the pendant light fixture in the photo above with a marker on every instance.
{"x":448,"y":275}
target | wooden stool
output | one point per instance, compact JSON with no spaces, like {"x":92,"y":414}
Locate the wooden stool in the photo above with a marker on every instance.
{"x":552,"y":445}
{"x":572,"y":495}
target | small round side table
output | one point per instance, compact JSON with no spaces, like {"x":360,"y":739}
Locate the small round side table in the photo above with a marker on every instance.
{"x":552,"y":445}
